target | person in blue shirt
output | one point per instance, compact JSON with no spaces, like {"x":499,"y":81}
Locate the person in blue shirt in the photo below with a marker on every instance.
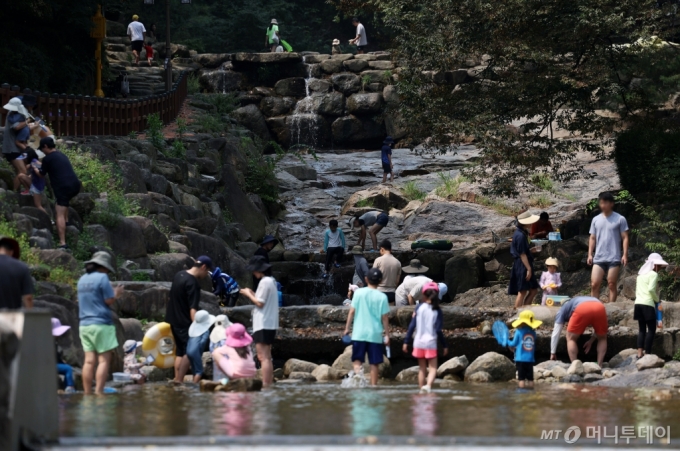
{"x":386,"y":157}
{"x":524,"y":342}
{"x":333,"y":245}
{"x":523,"y":283}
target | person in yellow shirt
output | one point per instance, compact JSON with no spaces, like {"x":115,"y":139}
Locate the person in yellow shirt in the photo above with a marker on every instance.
{"x":646,"y":298}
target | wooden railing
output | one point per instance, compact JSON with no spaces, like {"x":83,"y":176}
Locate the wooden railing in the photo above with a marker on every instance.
{"x":75,"y":115}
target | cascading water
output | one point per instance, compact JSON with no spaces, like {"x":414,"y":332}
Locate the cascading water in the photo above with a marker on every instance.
{"x":303,"y":126}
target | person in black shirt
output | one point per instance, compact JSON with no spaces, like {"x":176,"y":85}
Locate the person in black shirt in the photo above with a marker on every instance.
{"x":15,"y":278}
{"x":64,"y":182}
{"x":185,"y":296}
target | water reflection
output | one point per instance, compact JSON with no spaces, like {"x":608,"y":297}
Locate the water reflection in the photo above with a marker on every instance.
{"x":424,"y":414}
{"x":368,"y":412}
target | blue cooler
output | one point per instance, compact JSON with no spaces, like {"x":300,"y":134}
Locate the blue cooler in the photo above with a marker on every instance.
{"x":554,"y":236}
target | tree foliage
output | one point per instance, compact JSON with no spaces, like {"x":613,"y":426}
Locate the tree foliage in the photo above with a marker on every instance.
{"x":537,"y":71}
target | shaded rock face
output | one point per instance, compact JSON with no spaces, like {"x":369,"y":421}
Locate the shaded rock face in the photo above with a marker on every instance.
{"x":464,"y":271}
{"x":149,"y":300}
{"x":364,"y":104}
{"x":241,"y":206}
{"x":347,"y":84}
{"x":291,"y":87}
{"x":352,"y":129}
{"x":251,"y":117}
{"x":127,"y":239}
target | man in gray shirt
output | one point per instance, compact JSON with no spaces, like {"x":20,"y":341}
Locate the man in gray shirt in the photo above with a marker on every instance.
{"x":609,"y":243}
{"x":360,"y":40}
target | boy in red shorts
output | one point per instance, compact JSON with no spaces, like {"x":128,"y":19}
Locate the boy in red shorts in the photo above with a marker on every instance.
{"x":581,"y":312}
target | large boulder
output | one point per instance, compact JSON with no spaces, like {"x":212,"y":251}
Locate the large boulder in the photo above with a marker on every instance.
{"x":133,"y":179}
{"x":344,"y":363}
{"x":132,"y":329}
{"x":252,"y":118}
{"x":327,"y":373}
{"x":499,"y":367}
{"x":276,"y":106}
{"x":168,"y":265}
{"x":649,"y":361}
{"x":42,"y":219}
{"x":155,"y":240}
{"x":240,"y":205}
{"x":356,"y":65}
{"x":380,"y":197}
{"x":331,"y":66}
{"x":127,"y":239}
{"x":291,"y":87}
{"x":330,"y":104}
{"x":221,"y":80}
{"x":319,"y":85}
{"x":212,"y":60}
{"x":365,"y":104}
{"x":355,"y":130}
{"x":58,"y":258}
{"x":298,"y":366}
{"x":66,"y":311}
{"x":215,"y":248}
{"x":409,"y":374}
{"x":346,"y":83}
{"x":464,"y":271}
{"x":149,"y":300}
{"x":455,"y":365}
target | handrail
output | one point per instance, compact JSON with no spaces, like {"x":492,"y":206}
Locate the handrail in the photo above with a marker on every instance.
{"x":77,"y":115}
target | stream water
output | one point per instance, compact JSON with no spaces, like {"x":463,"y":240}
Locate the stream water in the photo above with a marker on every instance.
{"x":467,"y":412}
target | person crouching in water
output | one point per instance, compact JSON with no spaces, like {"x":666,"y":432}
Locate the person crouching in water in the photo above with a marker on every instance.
{"x":234,"y":358}
{"x":524,"y":342}
{"x":427,"y":323}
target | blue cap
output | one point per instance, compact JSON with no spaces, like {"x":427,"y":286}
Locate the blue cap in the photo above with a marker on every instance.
{"x":205,"y":260}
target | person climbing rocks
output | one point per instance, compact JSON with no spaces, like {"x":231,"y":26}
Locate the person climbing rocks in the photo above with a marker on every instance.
{"x":386,"y":159}
{"x":15,"y":277}
{"x":12,"y":147}
{"x":523,"y":283}
{"x":646,"y":301}
{"x":541,"y":228}
{"x":96,"y":328}
{"x":180,"y":312}
{"x":369,"y":323}
{"x":334,"y":246}
{"x":360,"y":267}
{"x":137,"y":33}
{"x":581,"y":312}
{"x":376,"y":220}
{"x":360,"y":40}
{"x":265,"y":315}
{"x":64,"y":181}
{"x":391,"y":271}
{"x":607,"y":247}
{"x":272,"y":39}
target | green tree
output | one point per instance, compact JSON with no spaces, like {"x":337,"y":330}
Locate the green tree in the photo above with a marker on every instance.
{"x":535,"y":72}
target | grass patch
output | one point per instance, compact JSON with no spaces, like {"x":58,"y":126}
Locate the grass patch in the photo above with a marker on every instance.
{"x":498,"y":206}
{"x":154,"y":131}
{"x":448,"y":186}
{"x":209,"y":123}
{"x":223,"y":103}
{"x":261,"y":174}
{"x":543,"y":182}
{"x":413,"y":192}
{"x":193,"y":84}
{"x":540,"y":201}
{"x":364,"y":203}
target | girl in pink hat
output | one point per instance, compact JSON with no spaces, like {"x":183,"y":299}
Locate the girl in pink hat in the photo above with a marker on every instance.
{"x":235,"y":358}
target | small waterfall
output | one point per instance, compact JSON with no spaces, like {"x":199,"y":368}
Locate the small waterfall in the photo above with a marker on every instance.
{"x":303,"y":121}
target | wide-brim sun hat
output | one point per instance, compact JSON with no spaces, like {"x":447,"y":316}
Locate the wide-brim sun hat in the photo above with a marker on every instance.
{"x":202,"y":322}
{"x":237,"y":337}
{"x":653,"y":260}
{"x":15,"y":104}
{"x":552,"y":262}
{"x":357,"y":250}
{"x":258,"y":264}
{"x":275,"y":22}
{"x":219,"y":332}
{"x":336,"y":41}
{"x":102,"y":258}
{"x":14,"y":244}
{"x":527,"y":218}
{"x":269,"y":239}
{"x":131,"y":345}
{"x":415,"y":267}
{"x":57,"y":328}
{"x":527,"y":317}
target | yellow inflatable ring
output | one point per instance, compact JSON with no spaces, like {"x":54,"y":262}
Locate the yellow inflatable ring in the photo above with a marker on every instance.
{"x":549,"y":302}
{"x":160,"y":344}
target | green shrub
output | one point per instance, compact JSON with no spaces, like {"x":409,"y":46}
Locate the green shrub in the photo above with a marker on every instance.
{"x":364,"y":203}
{"x":413,"y":192}
{"x":648,"y":162}
{"x":540,"y":201}
{"x":177,"y":150}
{"x":260,"y":177}
{"x":193,"y":84}
{"x":448,"y":186}
{"x":223,"y":103}
{"x":209,"y":123}
{"x":154,"y":131}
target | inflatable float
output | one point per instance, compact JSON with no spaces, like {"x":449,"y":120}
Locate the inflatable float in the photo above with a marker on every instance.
{"x":286,"y":46}
{"x":556,"y":300}
{"x":160,"y":344}
{"x":438,"y":245}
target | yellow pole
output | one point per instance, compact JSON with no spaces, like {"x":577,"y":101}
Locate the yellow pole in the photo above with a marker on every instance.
{"x":98,"y":33}
{"x":98,"y":56}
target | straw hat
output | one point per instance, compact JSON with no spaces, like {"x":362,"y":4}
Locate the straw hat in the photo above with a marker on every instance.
{"x":552,"y":262}
{"x":527,"y":218}
{"x":527,"y":317}
{"x":415,"y":267}
{"x":102,"y":258}
{"x":202,"y":322}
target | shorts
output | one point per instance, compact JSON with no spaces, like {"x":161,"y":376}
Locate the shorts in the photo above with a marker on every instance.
{"x":391,"y":297}
{"x":137,"y":45}
{"x":518,"y":279}
{"x":525,"y":371}
{"x":12,"y":156}
{"x":420,"y":353}
{"x":387,"y":168}
{"x":99,"y":338}
{"x":606,"y":266}
{"x":264,"y":336}
{"x":591,"y":313}
{"x":195,"y":348}
{"x":361,"y":48}
{"x":382,"y":220}
{"x":33,"y":190}
{"x":274,"y":41}
{"x":374,"y":351}
{"x":644,"y":313}
{"x":181,"y":337}
{"x":65,"y":195}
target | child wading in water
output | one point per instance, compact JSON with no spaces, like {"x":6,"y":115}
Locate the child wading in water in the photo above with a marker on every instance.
{"x":524,"y":343}
{"x":427,"y":323}
{"x":550,"y":279}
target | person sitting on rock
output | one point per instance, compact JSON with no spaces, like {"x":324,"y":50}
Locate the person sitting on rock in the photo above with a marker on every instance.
{"x":581,"y":312}
{"x":376,"y":220}
{"x":524,"y":342}
{"x":334,"y":246}
{"x":541,"y":228}
{"x":336,"y":50}
{"x":131,"y":364}
{"x":218,"y":337}
{"x":234,"y":358}
{"x":63,"y":368}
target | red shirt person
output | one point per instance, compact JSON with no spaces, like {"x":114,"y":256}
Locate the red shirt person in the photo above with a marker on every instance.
{"x":542,"y":228}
